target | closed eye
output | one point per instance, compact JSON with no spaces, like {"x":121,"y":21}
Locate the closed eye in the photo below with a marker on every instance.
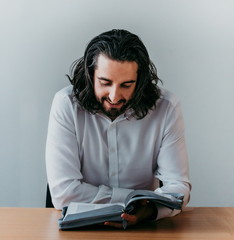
{"x":105,"y":82}
{"x":128,"y":84}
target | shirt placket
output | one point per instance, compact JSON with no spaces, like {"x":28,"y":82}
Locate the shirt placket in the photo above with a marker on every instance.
{"x":113,"y":156}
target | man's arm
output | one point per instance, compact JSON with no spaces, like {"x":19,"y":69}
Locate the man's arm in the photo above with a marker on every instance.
{"x":63,"y":164}
{"x":173,"y":170}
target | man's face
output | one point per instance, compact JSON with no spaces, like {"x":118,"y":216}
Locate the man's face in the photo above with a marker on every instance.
{"x":114,"y":84}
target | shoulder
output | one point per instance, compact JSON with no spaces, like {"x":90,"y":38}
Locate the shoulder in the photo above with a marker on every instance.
{"x":166,"y":104}
{"x":64,"y":92}
{"x":64,"y":103}
{"x":66,"y":96}
{"x":168,"y":97}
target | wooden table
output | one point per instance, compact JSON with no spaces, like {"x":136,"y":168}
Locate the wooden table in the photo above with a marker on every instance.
{"x":41,"y":224}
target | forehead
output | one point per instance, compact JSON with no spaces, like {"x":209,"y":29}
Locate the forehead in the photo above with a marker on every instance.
{"x":113,"y":68}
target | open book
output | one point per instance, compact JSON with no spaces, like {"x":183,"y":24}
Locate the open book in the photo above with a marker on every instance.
{"x":84,"y":214}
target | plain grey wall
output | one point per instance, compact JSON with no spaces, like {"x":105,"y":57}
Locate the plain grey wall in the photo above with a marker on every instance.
{"x":191,"y":43}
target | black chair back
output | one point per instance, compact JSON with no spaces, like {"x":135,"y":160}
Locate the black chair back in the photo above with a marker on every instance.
{"x":49,"y":203}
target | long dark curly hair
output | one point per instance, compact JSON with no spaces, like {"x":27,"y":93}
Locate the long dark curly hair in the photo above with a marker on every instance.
{"x":119,"y":45}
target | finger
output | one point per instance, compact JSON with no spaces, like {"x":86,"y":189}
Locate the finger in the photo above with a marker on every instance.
{"x":131,"y":219}
{"x":113,"y":224}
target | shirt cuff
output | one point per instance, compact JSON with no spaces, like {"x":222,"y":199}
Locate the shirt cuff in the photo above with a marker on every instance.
{"x":164,"y":212}
{"x":103,"y":195}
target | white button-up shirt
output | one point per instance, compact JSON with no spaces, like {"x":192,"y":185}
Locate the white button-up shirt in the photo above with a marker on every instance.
{"x":90,"y":158}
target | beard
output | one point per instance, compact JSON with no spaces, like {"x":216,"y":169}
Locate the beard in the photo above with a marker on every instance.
{"x":113,"y":113}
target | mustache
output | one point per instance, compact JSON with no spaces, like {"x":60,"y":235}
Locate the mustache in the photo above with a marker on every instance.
{"x":107,"y":99}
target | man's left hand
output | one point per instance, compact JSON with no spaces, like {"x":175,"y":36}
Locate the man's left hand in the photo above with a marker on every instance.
{"x":144,"y":211}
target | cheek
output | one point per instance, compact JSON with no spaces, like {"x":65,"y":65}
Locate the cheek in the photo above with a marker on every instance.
{"x":99,"y":92}
{"x":129,"y":94}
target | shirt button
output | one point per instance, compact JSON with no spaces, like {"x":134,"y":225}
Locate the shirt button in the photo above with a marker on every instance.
{"x":112,"y":149}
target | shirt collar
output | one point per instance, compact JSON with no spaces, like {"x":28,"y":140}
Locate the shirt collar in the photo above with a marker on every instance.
{"x":126,"y":115}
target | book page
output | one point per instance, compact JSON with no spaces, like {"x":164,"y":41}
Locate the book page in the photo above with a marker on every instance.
{"x":75,"y":207}
{"x":171,"y":200}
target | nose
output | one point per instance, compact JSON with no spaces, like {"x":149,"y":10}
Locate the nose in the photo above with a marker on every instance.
{"x":115,"y":94}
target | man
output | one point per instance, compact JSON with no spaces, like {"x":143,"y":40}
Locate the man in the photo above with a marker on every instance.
{"x":114,"y":130}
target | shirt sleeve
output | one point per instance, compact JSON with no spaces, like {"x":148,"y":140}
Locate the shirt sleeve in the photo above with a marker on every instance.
{"x":63,"y":164}
{"x":172,"y":160}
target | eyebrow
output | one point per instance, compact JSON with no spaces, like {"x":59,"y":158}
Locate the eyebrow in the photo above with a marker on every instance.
{"x":108,"y":80}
